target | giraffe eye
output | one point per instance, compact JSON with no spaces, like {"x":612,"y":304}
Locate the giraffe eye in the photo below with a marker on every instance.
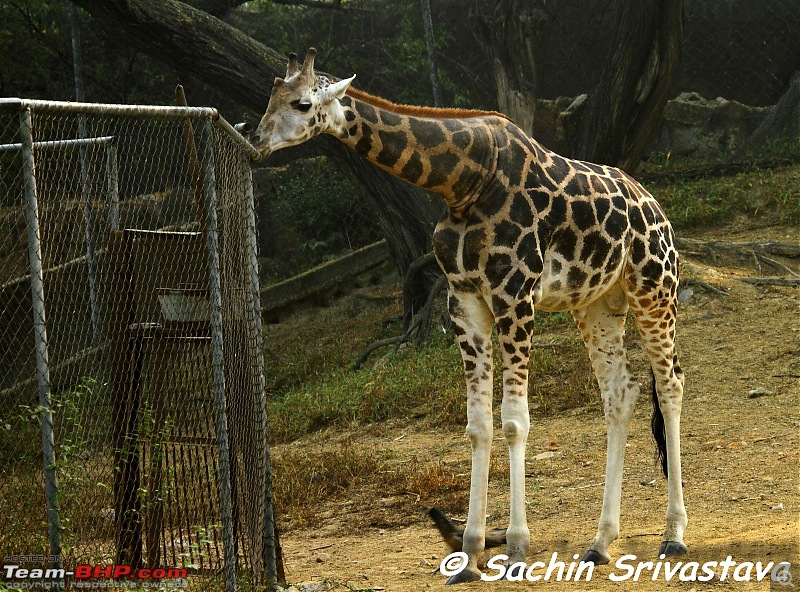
{"x":302,"y":107}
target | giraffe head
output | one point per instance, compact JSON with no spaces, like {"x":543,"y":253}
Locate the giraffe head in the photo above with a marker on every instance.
{"x":302,"y":105}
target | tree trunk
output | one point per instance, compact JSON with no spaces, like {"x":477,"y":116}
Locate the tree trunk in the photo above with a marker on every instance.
{"x":77,"y":62}
{"x":430,"y":44}
{"x":509,"y":31}
{"x":622,"y":113}
{"x":199,"y":45}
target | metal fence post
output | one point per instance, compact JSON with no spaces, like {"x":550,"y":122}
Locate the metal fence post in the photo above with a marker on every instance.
{"x":88,"y":220}
{"x":270,"y":562}
{"x":112,"y":175}
{"x":217,"y":348}
{"x":40,"y":336}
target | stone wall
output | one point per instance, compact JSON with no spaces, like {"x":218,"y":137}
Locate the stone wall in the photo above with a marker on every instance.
{"x":691,"y":125}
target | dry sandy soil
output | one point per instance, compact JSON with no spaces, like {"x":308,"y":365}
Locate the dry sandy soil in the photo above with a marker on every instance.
{"x":741,"y":430}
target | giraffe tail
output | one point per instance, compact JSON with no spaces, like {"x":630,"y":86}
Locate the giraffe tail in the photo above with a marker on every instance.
{"x":659,"y":431}
{"x":453,"y":534}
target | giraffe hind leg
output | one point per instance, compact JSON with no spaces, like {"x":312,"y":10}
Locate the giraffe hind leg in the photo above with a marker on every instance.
{"x":655,"y":313}
{"x":602,"y":325}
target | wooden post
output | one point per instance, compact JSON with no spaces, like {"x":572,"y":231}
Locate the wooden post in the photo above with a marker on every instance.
{"x":125,"y":379}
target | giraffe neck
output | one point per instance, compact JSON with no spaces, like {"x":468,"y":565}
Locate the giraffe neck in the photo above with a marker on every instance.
{"x":453,"y":157}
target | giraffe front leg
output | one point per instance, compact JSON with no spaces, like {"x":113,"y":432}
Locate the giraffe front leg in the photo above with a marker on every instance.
{"x":472,"y":320}
{"x":514,"y":335}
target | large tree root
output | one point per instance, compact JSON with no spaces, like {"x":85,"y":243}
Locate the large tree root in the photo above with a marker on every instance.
{"x":419,"y":325}
{"x":412,"y":282}
{"x":756,"y":252}
{"x":769,"y":281}
{"x":723,"y":169}
{"x":691,"y":245}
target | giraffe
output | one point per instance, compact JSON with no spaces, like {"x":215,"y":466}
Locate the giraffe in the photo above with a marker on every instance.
{"x":526,"y":230}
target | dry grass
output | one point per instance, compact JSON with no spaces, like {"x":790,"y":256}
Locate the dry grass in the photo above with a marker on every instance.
{"x":305,"y":482}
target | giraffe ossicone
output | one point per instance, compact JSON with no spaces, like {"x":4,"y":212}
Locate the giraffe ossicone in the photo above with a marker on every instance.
{"x":526,"y":230}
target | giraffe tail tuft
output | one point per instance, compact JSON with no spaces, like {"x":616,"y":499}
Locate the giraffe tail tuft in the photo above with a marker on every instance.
{"x":659,"y":430}
{"x":453,"y":534}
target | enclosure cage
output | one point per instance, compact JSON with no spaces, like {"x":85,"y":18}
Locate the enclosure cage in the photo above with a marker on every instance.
{"x":133,"y":427}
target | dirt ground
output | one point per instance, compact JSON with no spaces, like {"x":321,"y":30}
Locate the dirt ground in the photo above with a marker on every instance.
{"x":740,"y":436}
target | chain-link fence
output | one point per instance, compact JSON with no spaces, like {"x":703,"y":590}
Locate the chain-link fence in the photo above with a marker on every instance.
{"x":733,"y":95}
{"x":132,"y":412}
{"x":741,"y":50}
{"x":738,"y":61}
{"x":309,"y":213}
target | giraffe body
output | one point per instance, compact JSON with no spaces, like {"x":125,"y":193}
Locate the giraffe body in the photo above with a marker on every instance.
{"x":527,"y":229}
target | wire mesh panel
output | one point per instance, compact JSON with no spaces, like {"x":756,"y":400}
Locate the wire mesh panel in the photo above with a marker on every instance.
{"x":145,"y":236}
{"x":741,"y":50}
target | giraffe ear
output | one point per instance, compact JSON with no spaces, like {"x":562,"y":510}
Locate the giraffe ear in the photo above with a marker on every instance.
{"x":291,"y":67}
{"x":337,"y":90}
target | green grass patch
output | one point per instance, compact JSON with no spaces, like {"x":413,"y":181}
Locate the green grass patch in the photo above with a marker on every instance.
{"x":399,"y":385}
{"x":407,"y":383}
{"x":771,"y":194}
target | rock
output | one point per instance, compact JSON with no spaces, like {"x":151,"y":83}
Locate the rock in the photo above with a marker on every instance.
{"x":685,"y":295}
{"x":694,"y":125}
{"x":314,"y":587}
{"x":778,"y":508}
{"x":322,"y":557}
{"x":578,"y":103}
{"x":758,"y":392}
{"x":546,"y":455}
{"x":425,"y":563}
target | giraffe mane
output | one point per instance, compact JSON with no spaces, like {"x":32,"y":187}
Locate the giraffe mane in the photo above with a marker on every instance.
{"x":418,"y":111}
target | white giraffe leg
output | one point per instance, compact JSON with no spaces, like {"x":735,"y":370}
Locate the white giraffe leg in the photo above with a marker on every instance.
{"x":676,"y":511}
{"x":473,"y":326}
{"x":602,"y":325}
{"x":657,"y":328}
{"x":514,"y":339}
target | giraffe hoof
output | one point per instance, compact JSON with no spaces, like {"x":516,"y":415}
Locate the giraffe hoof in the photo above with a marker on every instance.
{"x":461,"y":577}
{"x":592,"y":556}
{"x":672,"y":548}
